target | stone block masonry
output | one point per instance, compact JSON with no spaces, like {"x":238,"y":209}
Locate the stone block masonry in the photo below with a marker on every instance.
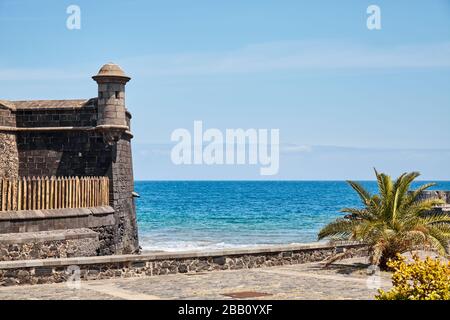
{"x":124,"y":205}
{"x":69,"y":154}
{"x":152,"y":264}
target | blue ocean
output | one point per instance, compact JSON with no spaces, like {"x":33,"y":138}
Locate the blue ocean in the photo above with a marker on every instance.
{"x":205,"y":215}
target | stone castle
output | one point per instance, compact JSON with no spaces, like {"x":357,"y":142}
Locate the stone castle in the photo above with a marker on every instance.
{"x":67,"y":138}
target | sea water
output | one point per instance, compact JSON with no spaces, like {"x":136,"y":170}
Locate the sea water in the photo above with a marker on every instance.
{"x":205,"y":215}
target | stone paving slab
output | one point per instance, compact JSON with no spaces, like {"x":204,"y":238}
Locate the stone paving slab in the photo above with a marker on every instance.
{"x":346,"y":280}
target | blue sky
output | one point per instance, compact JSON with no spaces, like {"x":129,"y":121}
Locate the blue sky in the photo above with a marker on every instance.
{"x":345,"y":99}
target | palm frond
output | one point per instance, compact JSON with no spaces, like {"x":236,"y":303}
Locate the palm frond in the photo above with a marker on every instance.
{"x":340,"y":229}
{"x":363,"y":193}
{"x":342,"y":255}
{"x":421,"y":207}
{"x":436,"y":218}
{"x":438,"y":240}
{"x":413,"y":197}
{"x":402,"y":186}
{"x":385,"y":185}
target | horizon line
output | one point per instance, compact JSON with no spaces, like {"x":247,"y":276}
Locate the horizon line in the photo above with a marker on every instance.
{"x":270,"y":180}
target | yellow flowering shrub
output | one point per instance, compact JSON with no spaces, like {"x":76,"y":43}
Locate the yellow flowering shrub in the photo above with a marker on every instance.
{"x":427,"y":279}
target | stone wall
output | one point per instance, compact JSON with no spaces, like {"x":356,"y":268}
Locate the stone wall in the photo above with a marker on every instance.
{"x":55,"y":219}
{"x":7,"y":118}
{"x":48,"y":244}
{"x":107,"y":239}
{"x":79,"y":150}
{"x":85,"y":116}
{"x":52,"y":271}
{"x":111,"y":102}
{"x":70,"y":153}
{"x":62,"y":153}
{"x":9,"y":167}
{"x":436,"y":194}
{"x":86,"y":154}
{"x":123,"y":201}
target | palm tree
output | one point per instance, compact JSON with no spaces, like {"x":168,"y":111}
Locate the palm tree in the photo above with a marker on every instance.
{"x":393,"y":221}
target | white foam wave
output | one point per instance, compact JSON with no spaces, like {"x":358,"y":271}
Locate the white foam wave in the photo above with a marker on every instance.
{"x":199,"y":246}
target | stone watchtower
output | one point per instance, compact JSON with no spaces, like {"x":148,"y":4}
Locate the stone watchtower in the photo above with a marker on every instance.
{"x":113,"y":121}
{"x":111,"y":82}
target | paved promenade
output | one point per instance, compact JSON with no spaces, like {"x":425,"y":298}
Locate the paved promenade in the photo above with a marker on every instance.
{"x":346,"y":280}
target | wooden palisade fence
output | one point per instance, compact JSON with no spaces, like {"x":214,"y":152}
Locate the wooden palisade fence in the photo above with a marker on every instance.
{"x":40,"y":193}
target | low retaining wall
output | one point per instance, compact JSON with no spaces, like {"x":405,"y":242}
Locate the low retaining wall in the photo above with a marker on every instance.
{"x":150,"y":264}
{"x":98,"y":219}
{"x":436,"y":194}
{"x":55,"y":219}
{"x":48,"y":244}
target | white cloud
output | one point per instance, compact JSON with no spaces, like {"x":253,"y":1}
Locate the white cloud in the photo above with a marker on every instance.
{"x":295,"y":149}
{"x":263,"y":57}
{"x":12,"y":74}
{"x":299,"y":162}
{"x":293,"y":55}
